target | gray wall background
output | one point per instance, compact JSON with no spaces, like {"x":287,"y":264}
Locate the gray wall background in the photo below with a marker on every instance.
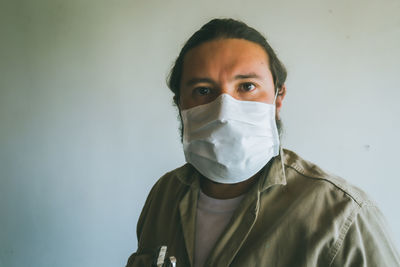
{"x":87,"y":123}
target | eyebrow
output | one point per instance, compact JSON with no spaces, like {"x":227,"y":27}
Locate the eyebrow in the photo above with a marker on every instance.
{"x":194,"y":81}
{"x":247,"y":76}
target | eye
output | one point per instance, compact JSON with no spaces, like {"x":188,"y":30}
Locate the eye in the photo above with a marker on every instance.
{"x":203,"y":90}
{"x":247,"y":87}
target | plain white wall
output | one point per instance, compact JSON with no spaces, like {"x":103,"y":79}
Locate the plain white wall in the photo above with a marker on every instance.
{"x":87,"y":123}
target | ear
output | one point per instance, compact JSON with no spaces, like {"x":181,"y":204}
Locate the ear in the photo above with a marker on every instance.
{"x":279,"y":99}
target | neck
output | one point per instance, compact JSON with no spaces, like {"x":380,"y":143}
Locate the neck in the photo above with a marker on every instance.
{"x":227,"y":191}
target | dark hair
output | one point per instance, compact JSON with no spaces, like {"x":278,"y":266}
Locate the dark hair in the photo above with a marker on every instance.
{"x":221,"y":29}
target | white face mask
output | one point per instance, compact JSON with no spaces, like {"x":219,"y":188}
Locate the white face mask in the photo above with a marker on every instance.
{"x":229,"y":140}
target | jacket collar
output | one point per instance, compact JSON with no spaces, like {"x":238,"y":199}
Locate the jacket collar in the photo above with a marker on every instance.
{"x":275,"y":174}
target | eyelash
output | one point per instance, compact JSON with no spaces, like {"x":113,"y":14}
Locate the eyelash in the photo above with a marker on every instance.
{"x":242,"y":86}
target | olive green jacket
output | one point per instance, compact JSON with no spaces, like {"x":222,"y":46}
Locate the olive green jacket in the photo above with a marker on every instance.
{"x":295,"y":215}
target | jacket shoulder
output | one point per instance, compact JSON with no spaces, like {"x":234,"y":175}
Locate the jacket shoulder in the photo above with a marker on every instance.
{"x":170,"y":187}
{"x":324,"y":179}
{"x":180,"y":176}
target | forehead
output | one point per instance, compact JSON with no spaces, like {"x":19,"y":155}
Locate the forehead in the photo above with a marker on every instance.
{"x":224,"y":54}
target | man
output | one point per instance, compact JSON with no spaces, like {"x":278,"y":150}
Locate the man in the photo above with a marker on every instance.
{"x":241,"y":200}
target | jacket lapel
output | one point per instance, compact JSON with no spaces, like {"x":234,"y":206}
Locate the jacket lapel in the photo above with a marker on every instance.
{"x":236,"y":232}
{"x":187,"y":210}
{"x":246,"y":214}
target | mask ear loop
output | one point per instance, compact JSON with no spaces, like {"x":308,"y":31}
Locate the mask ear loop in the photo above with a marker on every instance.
{"x":276,"y":95}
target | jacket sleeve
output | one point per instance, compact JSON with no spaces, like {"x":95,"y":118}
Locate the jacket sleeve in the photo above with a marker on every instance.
{"x":366,"y":241}
{"x":138,"y":258}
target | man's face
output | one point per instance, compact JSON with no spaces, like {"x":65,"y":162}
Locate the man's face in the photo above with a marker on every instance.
{"x":236,"y":67}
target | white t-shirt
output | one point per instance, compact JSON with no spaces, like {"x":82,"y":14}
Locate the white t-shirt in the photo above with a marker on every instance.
{"x":213,"y":215}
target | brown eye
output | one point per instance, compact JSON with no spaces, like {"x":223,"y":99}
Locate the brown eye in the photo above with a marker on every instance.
{"x":203,"y":90}
{"x":247,"y":87}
